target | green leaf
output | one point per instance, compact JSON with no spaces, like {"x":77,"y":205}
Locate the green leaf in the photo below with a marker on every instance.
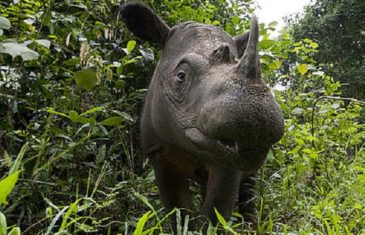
{"x":297,"y":111}
{"x":302,"y":68}
{"x":86,"y":79}
{"x":144,"y":199}
{"x":275,"y":65}
{"x":44,"y":42}
{"x":93,"y":110}
{"x":86,"y":120}
{"x":216,"y":23}
{"x":72,"y":208}
{"x":314,"y":45}
{"x":3,"y":224}
{"x":72,"y":61}
{"x":16,"y":49}
{"x":46,"y":19}
{"x":73,"y":115}
{"x":112,"y":121}
{"x":6,"y":185}
{"x":51,"y":110}
{"x":124,"y":115}
{"x":131,"y":61}
{"x":141,"y":223}
{"x":235,"y":20}
{"x":307,"y":40}
{"x":15,"y":231}
{"x":147,"y":54}
{"x":19,"y":158}
{"x":220,"y":218}
{"x":4,"y":23}
{"x":266,"y":44}
{"x":54,"y":220}
{"x":130,"y":46}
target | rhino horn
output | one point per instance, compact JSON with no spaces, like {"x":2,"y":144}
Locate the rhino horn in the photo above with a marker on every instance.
{"x":249,"y":64}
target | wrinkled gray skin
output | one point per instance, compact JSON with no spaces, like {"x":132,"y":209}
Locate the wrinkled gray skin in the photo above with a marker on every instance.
{"x":208,"y":115}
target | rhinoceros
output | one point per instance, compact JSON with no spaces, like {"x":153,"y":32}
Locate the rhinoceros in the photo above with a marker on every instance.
{"x":208,"y":115}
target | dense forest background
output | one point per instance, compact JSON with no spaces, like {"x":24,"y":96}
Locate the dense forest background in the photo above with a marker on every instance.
{"x":72,"y":85}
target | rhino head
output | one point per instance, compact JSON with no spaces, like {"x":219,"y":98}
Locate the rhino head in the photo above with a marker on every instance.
{"x":206,"y":99}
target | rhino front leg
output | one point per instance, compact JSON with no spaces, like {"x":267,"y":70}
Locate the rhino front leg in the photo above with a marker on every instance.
{"x":221,"y":192}
{"x":173,"y":189}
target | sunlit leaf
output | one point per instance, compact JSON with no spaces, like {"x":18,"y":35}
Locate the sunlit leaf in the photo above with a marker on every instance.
{"x":130,"y":46}
{"x":220,"y":218}
{"x":297,"y":111}
{"x":216,"y":22}
{"x":15,"y":231}
{"x":302,"y":68}
{"x":44,"y":42}
{"x":7,"y":185}
{"x":266,"y":44}
{"x":235,"y":20}
{"x":314,"y":45}
{"x":4,"y":23}
{"x":275,"y":65}
{"x":16,"y":49}
{"x":141,"y":223}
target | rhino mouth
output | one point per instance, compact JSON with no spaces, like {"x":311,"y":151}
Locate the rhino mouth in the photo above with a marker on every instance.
{"x":223,"y":147}
{"x":229,"y":144}
{"x":226,"y":152}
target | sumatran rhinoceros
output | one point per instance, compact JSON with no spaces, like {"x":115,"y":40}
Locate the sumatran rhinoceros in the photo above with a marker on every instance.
{"x":208,"y":115}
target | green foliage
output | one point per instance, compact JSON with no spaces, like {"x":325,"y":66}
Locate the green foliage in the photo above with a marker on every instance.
{"x":338,"y":28}
{"x":16,"y":49}
{"x":86,"y":79}
{"x":315,"y":167}
{"x":6,"y":185}
{"x":3,"y":227}
{"x":4,"y":23}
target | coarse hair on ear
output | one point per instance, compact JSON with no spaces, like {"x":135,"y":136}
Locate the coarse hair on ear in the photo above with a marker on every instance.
{"x":241,"y":43}
{"x":144,"y":23}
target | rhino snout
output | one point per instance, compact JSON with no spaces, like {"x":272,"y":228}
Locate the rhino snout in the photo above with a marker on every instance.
{"x":240,"y":127}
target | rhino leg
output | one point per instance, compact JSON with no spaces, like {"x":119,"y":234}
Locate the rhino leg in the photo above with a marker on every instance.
{"x":247,"y":198}
{"x":173,"y":187}
{"x":221,"y":192}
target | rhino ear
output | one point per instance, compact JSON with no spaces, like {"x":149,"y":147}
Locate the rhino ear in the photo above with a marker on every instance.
{"x":144,"y":23}
{"x":241,"y":43}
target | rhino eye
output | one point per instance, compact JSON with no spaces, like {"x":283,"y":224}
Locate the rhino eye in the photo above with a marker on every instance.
{"x":181,"y":76}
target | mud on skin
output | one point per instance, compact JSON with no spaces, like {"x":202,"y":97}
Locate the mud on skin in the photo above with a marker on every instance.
{"x":208,"y":115}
